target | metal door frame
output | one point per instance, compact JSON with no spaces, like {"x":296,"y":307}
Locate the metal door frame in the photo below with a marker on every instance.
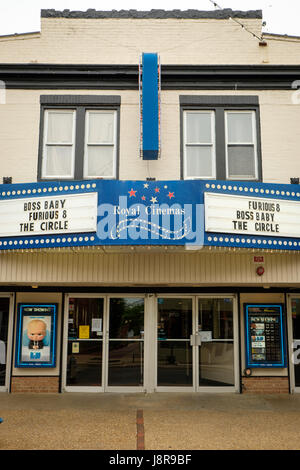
{"x":289,"y":341}
{"x":11,"y":308}
{"x":105,"y":345}
{"x":195,"y":352}
{"x":150,"y":345}
{"x":221,"y":389}
{"x":170,"y":388}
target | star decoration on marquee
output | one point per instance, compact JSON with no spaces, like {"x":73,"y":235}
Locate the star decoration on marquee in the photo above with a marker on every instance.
{"x":147,"y":194}
{"x":156,"y":193}
{"x":132,"y":193}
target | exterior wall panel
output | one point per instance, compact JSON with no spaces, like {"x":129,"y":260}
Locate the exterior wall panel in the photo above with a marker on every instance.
{"x":195,"y":269}
{"x":280,"y":134}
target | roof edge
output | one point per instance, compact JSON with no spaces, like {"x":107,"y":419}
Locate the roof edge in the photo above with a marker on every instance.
{"x":153,"y":14}
{"x":16,"y":35}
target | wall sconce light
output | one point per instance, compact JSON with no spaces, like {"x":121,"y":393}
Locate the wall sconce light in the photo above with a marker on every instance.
{"x":7,"y":179}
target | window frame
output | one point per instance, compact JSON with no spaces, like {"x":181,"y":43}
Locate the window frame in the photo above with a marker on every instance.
{"x":253,"y":143}
{"x":102,"y":144}
{"x":220,"y":104}
{"x":202,"y":144}
{"x":80,"y":104}
{"x":46,"y":144}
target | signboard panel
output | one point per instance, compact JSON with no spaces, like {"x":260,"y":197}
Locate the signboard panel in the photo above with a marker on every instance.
{"x":46,"y":215}
{"x":251,"y":215}
{"x":265,"y":335}
{"x":190,"y":213}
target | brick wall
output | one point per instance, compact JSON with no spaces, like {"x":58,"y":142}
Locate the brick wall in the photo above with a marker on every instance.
{"x":35,"y":385}
{"x":265,"y":385}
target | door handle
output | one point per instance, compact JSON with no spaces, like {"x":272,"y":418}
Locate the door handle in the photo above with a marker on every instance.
{"x":195,"y":340}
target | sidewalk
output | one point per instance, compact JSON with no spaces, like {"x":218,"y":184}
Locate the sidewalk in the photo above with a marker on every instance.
{"x":159,"y":421}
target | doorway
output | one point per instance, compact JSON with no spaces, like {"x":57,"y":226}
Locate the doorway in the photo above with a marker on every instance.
{"x":294,"y":346}
{"x":151,"y":342}
{"x":6,"y":318}
{"x":197,"y":346}
{"x":105,"y":343}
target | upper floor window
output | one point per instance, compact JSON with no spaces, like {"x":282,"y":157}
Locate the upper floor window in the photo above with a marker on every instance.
{"x":59,"y":144}
{"x":241,"y":145}
{"x":79,"y":137}
{"x":220,"y":137}
{"x":200,"y":144}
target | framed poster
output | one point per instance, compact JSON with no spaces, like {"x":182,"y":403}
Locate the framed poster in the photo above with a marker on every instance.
{"x":36,"y":335}
{"x":265,"y":335}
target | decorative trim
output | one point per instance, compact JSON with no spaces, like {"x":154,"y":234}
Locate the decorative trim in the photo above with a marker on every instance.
{"x":80,"y":100}
{"x":218,"y":100}
{"x":126,"y":77}
{"x":224,"y":14}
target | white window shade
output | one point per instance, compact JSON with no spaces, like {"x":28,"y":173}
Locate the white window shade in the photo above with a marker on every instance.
{"x":199,"y":144}
{"x":100,"y":144}
{"x":241,"y":145}
{"x":59,"y":143}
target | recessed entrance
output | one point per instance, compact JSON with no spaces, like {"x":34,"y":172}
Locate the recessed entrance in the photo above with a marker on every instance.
{"x":6,"y":308}
{"x":147,"y":343}
{"x":196,"y":346}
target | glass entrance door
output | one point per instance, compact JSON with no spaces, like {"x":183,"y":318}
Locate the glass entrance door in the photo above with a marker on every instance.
{"x":4,"y":322}
{"x":174,"y":351}
{"x":105,"y":343}
{"x":126,"y":342}
{"x":196,"y":345}
{"x":85,"y":342}
{"x":136,"y":343}
{"x":216,"y":351}
{"x":294,"y":324}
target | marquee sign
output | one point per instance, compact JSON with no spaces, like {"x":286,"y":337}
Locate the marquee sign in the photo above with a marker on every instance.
{"x":48,"y":215}
{"x":192,"y":214}
{"x":252,"y":215}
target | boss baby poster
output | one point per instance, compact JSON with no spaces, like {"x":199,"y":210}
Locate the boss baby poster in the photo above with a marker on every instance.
{"x":36,"y":335}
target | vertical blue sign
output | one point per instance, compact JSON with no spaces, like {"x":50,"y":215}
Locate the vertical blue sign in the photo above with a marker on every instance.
{"x":150,"y":106}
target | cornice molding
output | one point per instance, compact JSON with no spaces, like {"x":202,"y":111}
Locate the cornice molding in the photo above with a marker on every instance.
{"x":85,"y":76}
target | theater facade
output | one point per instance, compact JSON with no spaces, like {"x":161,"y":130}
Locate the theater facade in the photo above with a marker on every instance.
{"x":150,"y":204}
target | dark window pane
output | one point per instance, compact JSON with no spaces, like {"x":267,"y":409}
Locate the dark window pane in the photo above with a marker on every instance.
{"x":4,"y":314}
{"x":296,"y":335}
{"x":84,"y":368}
{"x":216,"y":364}
{"x":126,"y":360}
{"x":126,"y":319}
{"x":85,"y":312}
{"x":85,"y":334}
{"x":174,"y":318}
{"x":174,"y":363}
{"x":216,"y":315}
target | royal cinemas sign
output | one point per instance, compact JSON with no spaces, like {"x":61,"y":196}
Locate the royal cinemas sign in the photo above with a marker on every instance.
{"x":191,"y":214}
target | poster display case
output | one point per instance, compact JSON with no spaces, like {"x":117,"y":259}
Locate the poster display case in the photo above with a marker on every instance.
{"x":36,"y":335}
{"x":265,"y":335}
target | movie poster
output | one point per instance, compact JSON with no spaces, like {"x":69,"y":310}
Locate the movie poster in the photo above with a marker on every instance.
{"x":36,"y":335}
